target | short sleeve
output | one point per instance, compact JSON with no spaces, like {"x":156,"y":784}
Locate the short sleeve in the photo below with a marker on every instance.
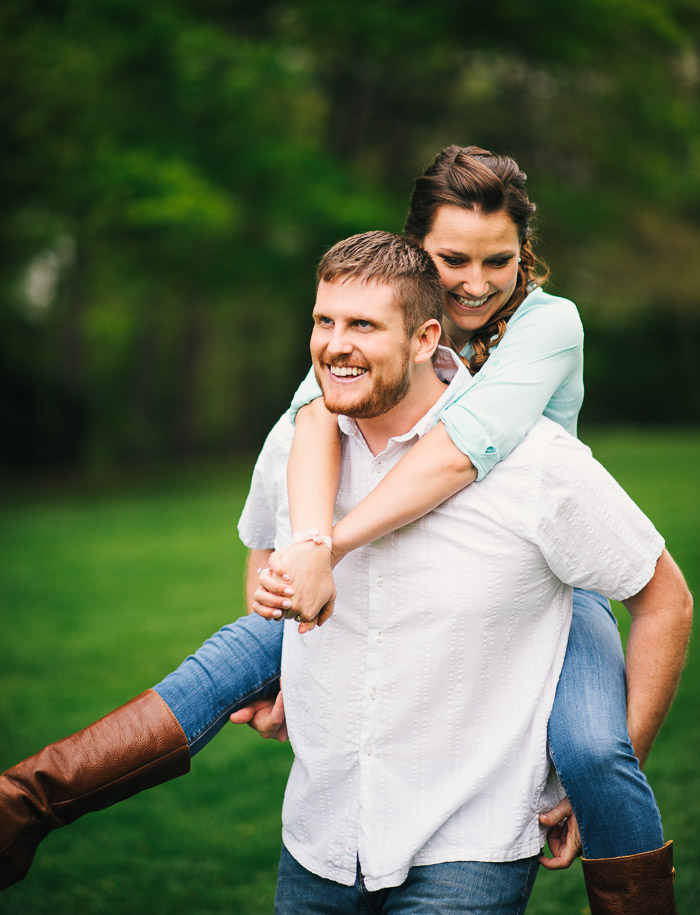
{"x":257,"y":525}
{"x":536,"y":370}
{"x":589,"y":530}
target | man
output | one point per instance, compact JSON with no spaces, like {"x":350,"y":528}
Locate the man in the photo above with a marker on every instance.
{"x":418,"y":715}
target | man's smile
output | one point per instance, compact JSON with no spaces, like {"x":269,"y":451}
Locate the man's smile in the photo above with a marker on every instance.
{"x":347,"y":371}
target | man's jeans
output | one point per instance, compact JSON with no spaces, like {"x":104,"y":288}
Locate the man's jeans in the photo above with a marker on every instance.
{"x":467,"y":887}
{"x":588,"y":738}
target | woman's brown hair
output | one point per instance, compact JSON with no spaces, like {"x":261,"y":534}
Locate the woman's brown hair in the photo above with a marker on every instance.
{"x":475,"y":179}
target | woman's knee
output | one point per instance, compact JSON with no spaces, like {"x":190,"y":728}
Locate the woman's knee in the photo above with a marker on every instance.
{"x":592,"y":760}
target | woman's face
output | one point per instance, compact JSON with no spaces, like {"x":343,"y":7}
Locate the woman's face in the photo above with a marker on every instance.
{"x":477,"y":258}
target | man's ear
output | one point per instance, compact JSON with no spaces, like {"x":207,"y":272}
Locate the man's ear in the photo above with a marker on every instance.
{"x":426,"y":340}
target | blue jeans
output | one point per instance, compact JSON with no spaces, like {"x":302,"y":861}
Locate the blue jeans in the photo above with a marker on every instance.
{"x":239,"y":663}
{"x":588,"y":738}
{"x":467,"y":887}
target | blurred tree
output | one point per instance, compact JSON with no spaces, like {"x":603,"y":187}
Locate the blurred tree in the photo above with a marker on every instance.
{"x":172,"y":171}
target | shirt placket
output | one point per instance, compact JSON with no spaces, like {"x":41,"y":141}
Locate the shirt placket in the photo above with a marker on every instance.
{"x":375,"y":646}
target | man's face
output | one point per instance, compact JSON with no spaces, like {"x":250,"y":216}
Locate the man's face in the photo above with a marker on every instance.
{"x":359,"y":348}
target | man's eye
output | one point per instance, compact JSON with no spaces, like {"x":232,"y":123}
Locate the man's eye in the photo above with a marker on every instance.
{"x":364,"y":325}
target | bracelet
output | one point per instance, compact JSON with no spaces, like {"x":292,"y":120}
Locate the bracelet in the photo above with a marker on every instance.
{"x":312,"y":534}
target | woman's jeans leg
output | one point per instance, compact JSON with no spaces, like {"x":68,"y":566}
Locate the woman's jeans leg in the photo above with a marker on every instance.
{"x":238,"y":664}
{"x":589,"y":743}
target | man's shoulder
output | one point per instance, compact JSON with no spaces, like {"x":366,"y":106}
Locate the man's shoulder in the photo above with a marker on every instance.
{"x":545,"y":436}
{"x":546,"y":431}
{"x":543,"y":461}
{"x":281,"y":434}
{"x":277,"y":446}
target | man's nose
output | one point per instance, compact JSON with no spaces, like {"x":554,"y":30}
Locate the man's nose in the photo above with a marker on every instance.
{"x":339,"y":342}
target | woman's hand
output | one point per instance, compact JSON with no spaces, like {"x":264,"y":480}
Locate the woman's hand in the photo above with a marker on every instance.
{"x":564,"y":838}
{"x":298,"y":584}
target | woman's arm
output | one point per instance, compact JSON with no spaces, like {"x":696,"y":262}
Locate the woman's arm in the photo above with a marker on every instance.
{"x":432,"y":471}
{"x":312,"y":481}
{"x":312,"y":471}
{"x":304,"y":583}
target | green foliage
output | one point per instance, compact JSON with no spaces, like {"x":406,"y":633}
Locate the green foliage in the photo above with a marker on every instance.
{"x":172,"y":171}
{"x":105,"y":590}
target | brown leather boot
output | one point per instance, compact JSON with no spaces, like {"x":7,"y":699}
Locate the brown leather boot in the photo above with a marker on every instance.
{"x":135,"y":747}
{"x":633,"y":885}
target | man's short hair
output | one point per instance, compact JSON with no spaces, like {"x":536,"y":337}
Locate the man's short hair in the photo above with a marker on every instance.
{"x":394,"y":260}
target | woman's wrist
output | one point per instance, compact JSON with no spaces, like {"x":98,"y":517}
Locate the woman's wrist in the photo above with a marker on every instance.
{"x":340,"y":547}
{"x":312,"y":535}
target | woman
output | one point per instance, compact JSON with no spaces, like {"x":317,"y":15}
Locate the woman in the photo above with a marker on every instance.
{"x":526,"y":347}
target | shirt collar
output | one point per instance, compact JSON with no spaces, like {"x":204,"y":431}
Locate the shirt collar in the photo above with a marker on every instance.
{"x":450,"y":369}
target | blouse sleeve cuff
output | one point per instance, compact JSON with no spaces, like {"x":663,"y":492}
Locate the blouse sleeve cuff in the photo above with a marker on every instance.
{"x":472,"y":439}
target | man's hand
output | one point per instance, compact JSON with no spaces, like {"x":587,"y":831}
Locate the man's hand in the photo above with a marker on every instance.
{"x":298,"y":584}
{"x":266,"y":716}
{"x":563,"y":837}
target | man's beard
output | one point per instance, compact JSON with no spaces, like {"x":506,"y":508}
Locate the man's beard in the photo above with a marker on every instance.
{"x":385,"y":395}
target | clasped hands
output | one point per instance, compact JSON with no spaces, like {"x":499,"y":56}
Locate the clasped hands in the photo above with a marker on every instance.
{"x":298,"y":584}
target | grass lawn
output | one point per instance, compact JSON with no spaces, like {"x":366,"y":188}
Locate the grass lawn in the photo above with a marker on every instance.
{"x":104,"y":590}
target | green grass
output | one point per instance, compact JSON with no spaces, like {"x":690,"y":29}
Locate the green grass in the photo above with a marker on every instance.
{"x":104,"y":590}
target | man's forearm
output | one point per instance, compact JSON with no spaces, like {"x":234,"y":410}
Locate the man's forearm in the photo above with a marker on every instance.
{"x":656,"y":649}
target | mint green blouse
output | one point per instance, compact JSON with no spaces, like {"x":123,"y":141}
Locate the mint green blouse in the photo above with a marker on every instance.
{"x":536,"y":370}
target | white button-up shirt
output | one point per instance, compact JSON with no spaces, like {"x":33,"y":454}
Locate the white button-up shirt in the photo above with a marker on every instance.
{"x":418,"y":713}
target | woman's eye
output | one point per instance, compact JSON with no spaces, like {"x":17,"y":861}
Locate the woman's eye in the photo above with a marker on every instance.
{"x":453,"y":261}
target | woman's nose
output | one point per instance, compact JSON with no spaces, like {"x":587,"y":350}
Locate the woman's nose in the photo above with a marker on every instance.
{"x":475,"y":283}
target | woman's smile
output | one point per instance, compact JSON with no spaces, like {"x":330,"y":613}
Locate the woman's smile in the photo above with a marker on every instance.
{"x":470,"y":304}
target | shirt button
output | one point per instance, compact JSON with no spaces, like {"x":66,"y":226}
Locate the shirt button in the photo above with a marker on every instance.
{"x":379,"y":638}
{"x":379,"y":466}
{"x":368,"y":750}
{"x":373,"y":692}
{"x":380,"y":581}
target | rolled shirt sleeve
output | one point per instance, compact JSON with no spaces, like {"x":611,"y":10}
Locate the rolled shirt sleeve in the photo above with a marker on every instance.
{"x":536,"y":370}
